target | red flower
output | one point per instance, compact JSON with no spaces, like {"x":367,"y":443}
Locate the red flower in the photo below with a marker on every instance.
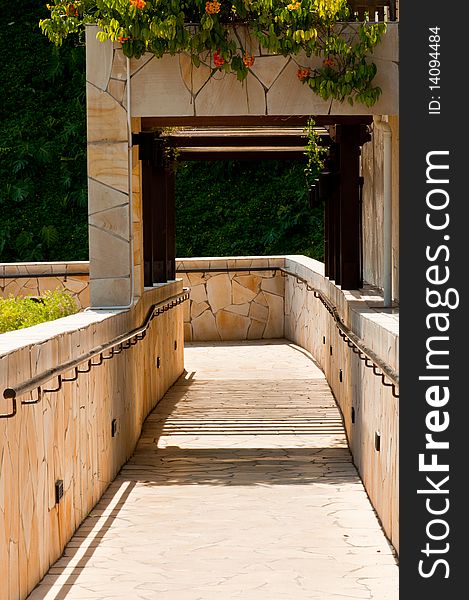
{"x":302,"y":74}
{"x":218,"y":60}
{"x":122,"y":38}
{"x":248,"y":60}
{"x":329,"y":62}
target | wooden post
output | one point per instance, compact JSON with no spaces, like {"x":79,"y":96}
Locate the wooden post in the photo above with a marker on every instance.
{"x":349,"y":219}
{"x":159,"y":244}
{"x":170,"y":222}
{"x":148,"y":185}
{"x":160,"y":229}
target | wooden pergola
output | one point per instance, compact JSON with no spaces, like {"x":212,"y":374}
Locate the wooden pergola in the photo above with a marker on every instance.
{"x":253,"y":138}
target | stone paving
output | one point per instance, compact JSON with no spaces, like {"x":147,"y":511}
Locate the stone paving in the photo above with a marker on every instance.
{"x":241,"y":486}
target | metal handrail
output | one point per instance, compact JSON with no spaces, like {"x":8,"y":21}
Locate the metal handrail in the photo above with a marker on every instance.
{"x":116,"y":346}
{"x":357,"y":345}
{"x":380,"y":368}
{"x":43,"y":275}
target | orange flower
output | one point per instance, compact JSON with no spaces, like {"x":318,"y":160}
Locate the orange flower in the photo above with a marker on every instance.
{"x":138,"y":3}
{"x":294,"y":6}
{"x":329,"y":62}
{"x":213,"y":7}
{"x":248,"y":60}
{"x":71,"y":10}
{"x":218,"y":60}
{"x":302,"y":74}
{"x":122,"y":38}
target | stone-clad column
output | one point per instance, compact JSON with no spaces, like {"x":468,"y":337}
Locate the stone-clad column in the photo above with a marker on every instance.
{"x":108,"y":175}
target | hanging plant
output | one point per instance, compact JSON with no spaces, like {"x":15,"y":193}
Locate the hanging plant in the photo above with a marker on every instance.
{"x":204,"y":29}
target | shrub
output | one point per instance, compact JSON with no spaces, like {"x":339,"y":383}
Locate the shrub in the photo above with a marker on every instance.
{"x":20,"y":312}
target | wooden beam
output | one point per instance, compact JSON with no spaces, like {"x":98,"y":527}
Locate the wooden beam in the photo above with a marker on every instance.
{"x":152,"y":123}
{"x":242,"y":154}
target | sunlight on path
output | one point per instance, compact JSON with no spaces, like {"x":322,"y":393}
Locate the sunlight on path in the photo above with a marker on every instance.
{"x":241,"y":486}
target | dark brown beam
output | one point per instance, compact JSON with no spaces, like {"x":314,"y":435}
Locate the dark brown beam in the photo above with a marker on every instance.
{"x":151,"y":123}
{"x":281,"y":154}
{"x":258,"y":141}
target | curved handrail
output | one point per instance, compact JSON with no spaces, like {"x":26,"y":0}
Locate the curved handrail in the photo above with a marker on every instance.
{"x":122,"y":342}
{"x":353,"y":341}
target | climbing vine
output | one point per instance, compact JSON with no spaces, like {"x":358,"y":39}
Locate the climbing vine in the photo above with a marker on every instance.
{"x":210,"y":32}
{"x":315,"y":153}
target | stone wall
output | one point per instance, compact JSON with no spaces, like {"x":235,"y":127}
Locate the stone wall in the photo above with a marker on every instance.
{"x":373,"y":205}
{"x":244,"y":304}
{"x":67,"y":436}
{"x":375,"y":409}
{"x":121,"y":92}
{"x":172,"y":86}
{"x":33,"y":279}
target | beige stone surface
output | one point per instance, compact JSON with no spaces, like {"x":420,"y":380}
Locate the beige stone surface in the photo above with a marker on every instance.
{"x":252,"y":282}
{"x":108,"y":163}
{"x":274,"y":285}
{"x":241,"y":294}
{"x":110,"y":292}
{"x":259,"y":312}
{"x":197,"y":308}
{"x":232,"y":326}
{"x":240,"y":309}
{"x":116,"y":88}
{"x":241,"y":485}
{"x":275,"y":324}
{"x":136,"y":64}
{"x":193,"y":77}
{"x":268,"y":68}
{"x":114,"y":221}
{"x":196,"y":278}
{"x":289,"y":96}
{"x":119,"y":65}
{"x":106,"y":119}
{"x":101,"y":197}
{"x":109,"y":254}
{"x":218,"y":291}
{"x":256,"y":330}
{"x":204,"y":327}
{"x":198,"y":293}
{"x":157,"y":90}
{"x":224,"y":95}
{"x":99,"y":57}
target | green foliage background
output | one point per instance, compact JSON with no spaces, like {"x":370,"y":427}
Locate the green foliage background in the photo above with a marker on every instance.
{"x":248,"y":208}
{"x":223,"y":208}
{"x":43,"y":196}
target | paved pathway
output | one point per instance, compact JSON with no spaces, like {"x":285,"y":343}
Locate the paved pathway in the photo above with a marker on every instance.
{"x":241,"y":486}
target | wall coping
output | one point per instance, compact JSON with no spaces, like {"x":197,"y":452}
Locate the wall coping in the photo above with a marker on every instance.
{"x":13,"y":341}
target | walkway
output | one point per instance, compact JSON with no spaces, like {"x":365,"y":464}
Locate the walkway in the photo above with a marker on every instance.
{"x":241,"y":486}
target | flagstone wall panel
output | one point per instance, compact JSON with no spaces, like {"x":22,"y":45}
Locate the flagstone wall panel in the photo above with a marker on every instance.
{"x":67,"y":435}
